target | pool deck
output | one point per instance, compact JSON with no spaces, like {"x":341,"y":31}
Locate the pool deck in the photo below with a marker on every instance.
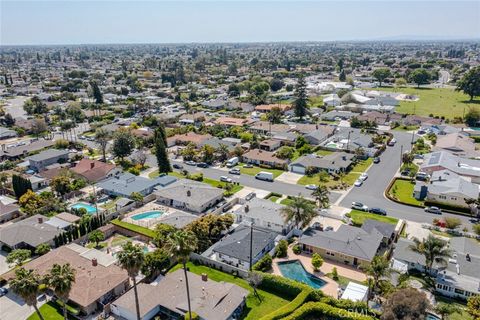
{"x":331,"y":287}
{"x":148,"y":223}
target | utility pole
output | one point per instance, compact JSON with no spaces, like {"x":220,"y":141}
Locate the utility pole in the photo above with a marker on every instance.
{"x":251,"y":246}
{"x":348,"y":139}
{"x":401,"y":155}
{"x":413,"y":136}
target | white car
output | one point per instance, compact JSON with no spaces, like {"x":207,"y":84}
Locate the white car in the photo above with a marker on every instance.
{"x":359,"y":206}
{"x":311,"y":186}
{"x":358,"y":183}
{"x":363,"y":176}
{"x":225,"y":179}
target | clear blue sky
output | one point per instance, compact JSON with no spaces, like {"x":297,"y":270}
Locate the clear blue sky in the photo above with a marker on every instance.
{"x":84,"y":21}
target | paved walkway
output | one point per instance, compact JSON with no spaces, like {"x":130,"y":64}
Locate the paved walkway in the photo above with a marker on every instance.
{"x":331,"y":288}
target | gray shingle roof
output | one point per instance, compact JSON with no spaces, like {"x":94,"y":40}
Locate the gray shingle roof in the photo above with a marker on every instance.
{"x":29,"y":231}
{"x":190,"y":191}
{"x":126,"y":183}
{"x":262,"y":209}
{"x":48,"y":154}
{"x":386,"y":229}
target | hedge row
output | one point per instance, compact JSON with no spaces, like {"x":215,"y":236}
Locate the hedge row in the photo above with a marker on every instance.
{"x":318,"y":309}
{"x":274,"y":283}
{"x":290,"y":307}
{"x":348,"y":305}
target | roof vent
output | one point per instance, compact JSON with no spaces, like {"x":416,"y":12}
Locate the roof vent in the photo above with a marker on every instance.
{"x":40,"y":220}
{"x":94,"y":262}
{"x":204,"y":277}
{"x":189,"y":193}
{"x":247,"y":208}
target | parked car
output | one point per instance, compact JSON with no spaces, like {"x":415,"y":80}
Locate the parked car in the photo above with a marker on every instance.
{"x":358,"y":183}
{"x":266,"y":176}
{"x":177,"y":166}
{"x":234,"y":171}
{"x":376,"y":160}
{"x":434,"y":210}
{"x":405,"y":172}
{"x":232,"y":162}
{"x":3,"y":291}
{"x":422,"y":176}
{"x":311,"y":186}
{"x":392,"y":142}
{"x":202,"y":165}
{"x":191,"y":163}
{"x":248,"y":166}
{"x":363,"y":176}
{"x":225,"y":179}
{"x":359,"y":206}
{"x":378,"y":211}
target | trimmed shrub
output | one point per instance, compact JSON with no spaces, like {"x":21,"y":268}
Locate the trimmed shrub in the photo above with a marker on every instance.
{"x":281,"y":250}
{"x":274,"y":283}
{"x":287,"y":309}
{"x":297,"y":249}
{"x":317,"y":261}
{"x":319,"y":310}
{"x":264,"y":264}
{"x":194,"y":316}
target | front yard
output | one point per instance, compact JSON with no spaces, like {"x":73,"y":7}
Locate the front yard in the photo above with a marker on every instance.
{"x":253,"y":309}
{"x":358,"y":217}
{"x":402,"y":190}
{"x":253,"y":171}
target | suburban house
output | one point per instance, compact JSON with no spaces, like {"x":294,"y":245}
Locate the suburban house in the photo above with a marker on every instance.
{"x":98,"y":280}
{"x":350,"y":139}
{"x":270,"y":144}
{"x":441,"y":160}
{"x":124,"y":184}
{"x":332,"y":163}
{"x":232,"y":122}
{"x":459,"y":278}
{"x":234,"y":248}
{"x":286,"y":138}
{"x":20,"y":151}
{"x":457,"y":143}
{"x":210,"y":300}
{"x":264,"y":158}
{"x":387,"y":230}
{"x":189,"y":195}
{"x":349,"y":245}
{"x":265,"y":127}
{"x":189,"y":137}
{"x":6,"y":133}
{"x":192,"y":118}
{"x":447,"y":187}
{"x":265,"y":214}
{"x":39,"y":161}
{"x":94,"y":170}
{"x":265,"y":108}
{"x":29,"y":233}
{"x":9,"y":208}
{"x":319,"y":135}
{"x":338,"y":115}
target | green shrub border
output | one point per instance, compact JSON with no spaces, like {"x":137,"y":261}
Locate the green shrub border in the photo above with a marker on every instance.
{"x":320,"y":308}
{"x":290,"y":307}
{"x":134,"y":228}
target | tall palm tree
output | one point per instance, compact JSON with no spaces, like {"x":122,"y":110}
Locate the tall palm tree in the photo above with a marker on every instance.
{"x":433,"y":249}
{"x":60,"y":280}
{"x":300,"y":210}
{"x":131,"y":258}
{"x":321,"y":196}
{"x":377,"y":269}
{"x":102,"y":137}
{"x":180,"y":244}
{"x":26,"y":284}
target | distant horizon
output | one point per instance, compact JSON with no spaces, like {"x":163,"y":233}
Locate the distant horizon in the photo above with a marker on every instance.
{"x":84,"y":22}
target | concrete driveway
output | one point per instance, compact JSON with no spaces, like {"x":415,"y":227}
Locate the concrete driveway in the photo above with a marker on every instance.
{"x":12,"y":307}
{"x":289,"y":177}
{"x":3,"y":262}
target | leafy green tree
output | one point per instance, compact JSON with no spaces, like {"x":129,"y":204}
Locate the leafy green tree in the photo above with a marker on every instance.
{"x":61,"y":183}
{"x":285,"y":152}
{"x":381,"y":74}
{"x":20,"y":185}
{"x":96,"y":236}
{"x":408,"y":303}
{"x":180,"y":244}
{"x":208,"y":229}
{"x":472,"y":117}
{"x":317,"y":261}
{"x":446,"y":309}
{"x":137,"y":197}
{"x":161,"y":151}
{"x":321,"y":194}
{"x":473,"y":306}
{"x":102,"y":137}
{"x":300,"y":210}
{"x":420,"y":76}
{"x":96,"y":93}
{"x":342,"y":76}
{"x":61,"y":279}
{"x":131,"y":258}
{"x":276,"y":84}
{"x":281,"y":249}
{"x":42,"y":249}
{"x":275,"y":115}
{"x":208,"y":153}
{"x":123,"y":143}
{"x":155,"y":262}
{"x":377,"y":269}
{"x":26,"y":284}
{"x":433,"y":249}
{"x":264,"y":264}
{"x":301,"y":99}
{"x":470,"y":83}
{"x":18,"y":256}
{"x":162,"y":231}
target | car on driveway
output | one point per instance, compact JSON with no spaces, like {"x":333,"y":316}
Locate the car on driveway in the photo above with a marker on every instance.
{"x":391,"y":143}
{"x":3,"y":291}
{"x":311,"y":186}
{"x":359,"y":206}
{"x":363,"y":176}
{"x":434,"y":210}
{"x":202,"y":165}
{"x":234,"y":171}
{"x":376,"y":160}
{"x":177,"y":166}
{"x":190,"y":163}
{"x":358,"y":183}
{"x":378,"y":211}
{"x":225,"y":179}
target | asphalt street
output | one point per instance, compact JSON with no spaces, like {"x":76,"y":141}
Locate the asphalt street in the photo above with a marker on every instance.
{"x":371,"y":193}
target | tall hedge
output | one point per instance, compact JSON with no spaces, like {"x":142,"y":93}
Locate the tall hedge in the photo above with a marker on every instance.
{"x":287,"y":309}
{"x":314,"y":310}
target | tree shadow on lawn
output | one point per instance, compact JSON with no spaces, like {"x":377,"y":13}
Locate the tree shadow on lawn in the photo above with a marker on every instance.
{"x":470,"y":101}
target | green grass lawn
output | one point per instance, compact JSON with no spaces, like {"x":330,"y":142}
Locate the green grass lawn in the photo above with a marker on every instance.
{"x":50,"y":311}
{"x":463,"y":315}
{"x":410,"y":166}
{"x":324,"y":152}
{"x":402,"y":190}
{"x":133,"y":227}
{"x":362,"y":165}
{"x":358,"y":217}
{"x":437,"y":101}
{"x":219,"y":184}
{"x":342,"y":281}
{"x":253,"y":171}
{"x":273,"y":198}
{"x":154,"y":174}
{"x":254,"y":309}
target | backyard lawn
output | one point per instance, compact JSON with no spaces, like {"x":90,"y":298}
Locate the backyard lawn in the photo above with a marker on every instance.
{"x":358,"y":217}
{"x":49,"y":311}
{"x":437,"y":101}
{"x":254,"y":309}
{"x":402,"y":190}
{"x":323,"y":152}
{"x":253,"y":171}
{"x":133,"y":227}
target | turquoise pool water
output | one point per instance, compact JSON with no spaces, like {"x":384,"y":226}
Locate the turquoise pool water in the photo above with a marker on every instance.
{"x":294,"y":270}
{"x":90,"y":209}
{"x":147,"y":215}
{"x":432,"y":317}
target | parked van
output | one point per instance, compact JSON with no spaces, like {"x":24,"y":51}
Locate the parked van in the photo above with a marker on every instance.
{"x":232,"y":162}
{"x":266,"y":176}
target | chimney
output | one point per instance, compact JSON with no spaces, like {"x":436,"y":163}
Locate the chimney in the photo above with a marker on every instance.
{"x":40,"y":220}
{"x":94,"y":262}
{"x":189,"y":193}
{"x":204,"y":277}
{"x":92,"y":165}
{"x":247,"y":208}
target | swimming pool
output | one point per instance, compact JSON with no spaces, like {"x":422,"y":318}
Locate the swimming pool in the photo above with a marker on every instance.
{"x":147,"y":215}
{"x":90,"y":209}
{"x":431,"y":317}
{"x":294,"y":270}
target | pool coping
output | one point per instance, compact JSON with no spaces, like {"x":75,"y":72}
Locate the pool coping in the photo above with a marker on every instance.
{"x":305,"y":269}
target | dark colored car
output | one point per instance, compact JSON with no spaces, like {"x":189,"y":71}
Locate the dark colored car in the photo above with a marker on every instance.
{"x":177,"y":166}
{"x":376,"y":160}
{"x":202,"y":165}
{"x":191,"y":163}
{"x":378,"y":211}
{"x":3,"y":291}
